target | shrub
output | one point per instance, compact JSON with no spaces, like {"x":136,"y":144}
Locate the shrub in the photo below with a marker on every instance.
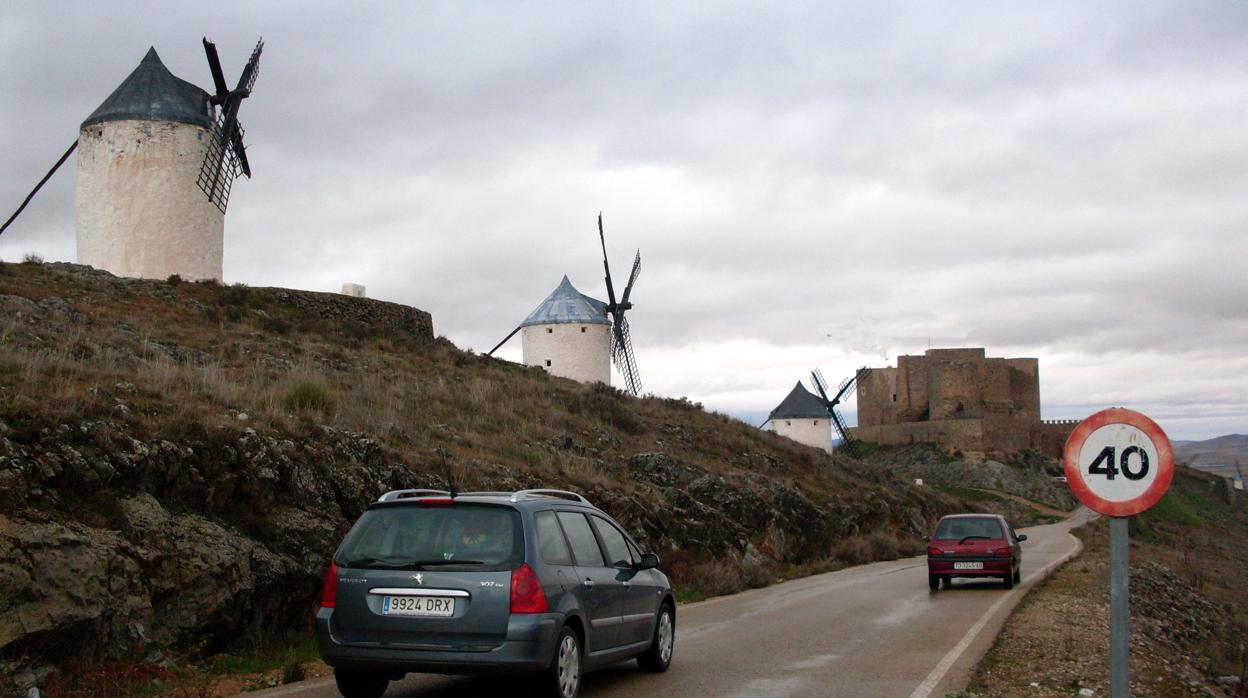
{"x":311,"y":394}
{"x":852,"y":551}
{"x":174,"y":279}
{"x":883,"y":546}
{"x":32,"y":258}
{"x":293,"y":672}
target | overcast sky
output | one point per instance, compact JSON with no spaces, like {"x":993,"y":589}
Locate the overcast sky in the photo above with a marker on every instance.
{"x":810,"y":184}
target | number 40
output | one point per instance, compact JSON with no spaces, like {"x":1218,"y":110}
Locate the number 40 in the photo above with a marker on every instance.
{"x":1105,"y":463}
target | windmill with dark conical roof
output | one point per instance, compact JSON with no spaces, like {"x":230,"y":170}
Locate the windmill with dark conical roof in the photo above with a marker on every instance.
{"x":803,"y":417}
{"x":156,"y":162}
{"x":575,"y":336}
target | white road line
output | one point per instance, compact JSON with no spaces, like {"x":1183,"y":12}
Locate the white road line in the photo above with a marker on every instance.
{"x":938,"y":673}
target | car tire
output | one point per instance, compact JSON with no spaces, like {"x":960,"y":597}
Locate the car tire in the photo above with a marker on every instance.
{"x":948,"y":580}
{"x":1018,"y":576}
{"x":563,"y":678}
{"x":933,"y":582}
{"x":1008,"y":581}
{"x":658,"y":657}
{"x":360,"y":684}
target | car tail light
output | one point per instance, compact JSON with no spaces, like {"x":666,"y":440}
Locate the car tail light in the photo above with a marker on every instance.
{"x":436,"y":501}
{"x":329,"y":592}
{"x":933,"y":550}
{"x":1002,"y":552}
{"x":527,"y":595}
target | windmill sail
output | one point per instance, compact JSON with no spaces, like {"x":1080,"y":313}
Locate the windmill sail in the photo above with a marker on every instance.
{"x":226,"y":155}
{"x":843,"y":391}
{"x":621,"y":341}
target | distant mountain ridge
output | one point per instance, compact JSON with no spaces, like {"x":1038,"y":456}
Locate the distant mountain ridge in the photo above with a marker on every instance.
{"x":1221,"y":450}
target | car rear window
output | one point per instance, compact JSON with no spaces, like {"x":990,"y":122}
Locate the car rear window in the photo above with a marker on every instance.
{"x":969,"y":527}
{"x":465,"y":536}
{"x":550,"y":542}
{"x":581,"y":536}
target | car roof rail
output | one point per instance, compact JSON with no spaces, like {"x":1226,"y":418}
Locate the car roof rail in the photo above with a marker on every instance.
{"x":407,"y":494}
{"x":559,"y":494}
{"x":483,"y":494}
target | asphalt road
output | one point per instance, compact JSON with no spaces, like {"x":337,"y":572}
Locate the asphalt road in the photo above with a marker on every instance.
{"x":874,"y":630}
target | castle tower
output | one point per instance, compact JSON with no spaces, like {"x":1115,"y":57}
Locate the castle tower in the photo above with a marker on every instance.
{"x":139,"y":211}
{"x":569,"y":335}
{"x":803,"y":418}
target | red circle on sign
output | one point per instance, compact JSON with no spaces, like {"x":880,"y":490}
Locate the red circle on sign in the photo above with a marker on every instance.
{"x":1074,"y":474}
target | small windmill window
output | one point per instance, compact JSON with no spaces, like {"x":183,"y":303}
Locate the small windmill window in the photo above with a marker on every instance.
{"x":816,"y":422}
{"x":582,"y":330}
{"x":788,"y":423}
{"x":550,"y":330}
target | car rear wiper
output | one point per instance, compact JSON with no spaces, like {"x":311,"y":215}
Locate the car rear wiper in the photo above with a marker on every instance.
{"x":440,"y":561}
{"x":970,"y":537}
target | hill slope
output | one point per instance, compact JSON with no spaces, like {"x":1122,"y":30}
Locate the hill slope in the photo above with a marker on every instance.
{"x":178,"y":462}
{"x":1222,"y":450}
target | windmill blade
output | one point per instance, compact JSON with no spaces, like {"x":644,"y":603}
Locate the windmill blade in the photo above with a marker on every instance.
{"x":632,"y":279}
{"x":850,"y":384}
{"x":240,"y":151}
{"x":816,"y":377}
{"x":251,"y":71}
{"x":509,"y":336}
{"x":218,"y":76}
{"x":623,"y":357}
{"x":606,"y":266}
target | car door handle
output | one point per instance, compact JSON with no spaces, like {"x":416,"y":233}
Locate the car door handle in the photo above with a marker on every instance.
{"x":627,"y":585}
{"x":589,"y":583}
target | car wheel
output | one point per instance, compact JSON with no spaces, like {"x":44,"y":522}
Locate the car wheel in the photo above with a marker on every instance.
{"x":947,"y":579}
{"x":563,"y":678}
{"x":658,"y":656}
{"x":1018,"y":576}
{"x":1008,"y":581}
{"x":933,"y":582}
{"x":360,"y":684}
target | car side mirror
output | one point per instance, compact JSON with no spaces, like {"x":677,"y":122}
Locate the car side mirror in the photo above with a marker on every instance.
{"x":1021,"y":537}
{"x":649,"y":561}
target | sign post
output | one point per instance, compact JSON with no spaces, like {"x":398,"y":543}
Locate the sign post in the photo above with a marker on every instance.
{"x":1119,"y":463}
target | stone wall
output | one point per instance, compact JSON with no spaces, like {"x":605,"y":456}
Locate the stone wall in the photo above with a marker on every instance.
{"x":1050,"y":436}
{"x":368,"y":311}
{"x":951,"y":435}
{"x":138,"y":209}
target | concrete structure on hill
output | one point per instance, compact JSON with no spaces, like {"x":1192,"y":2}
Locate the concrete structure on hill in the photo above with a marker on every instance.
{"x":802,"y":417}
{"x":569,"y":335}
{"x":353,"y":290}
{"x":960,"y":400}
{"x":139,"y":211}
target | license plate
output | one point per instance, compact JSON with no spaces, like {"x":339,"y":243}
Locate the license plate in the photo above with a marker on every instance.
{"x":417,"y":606}
{"x":968,"y":565}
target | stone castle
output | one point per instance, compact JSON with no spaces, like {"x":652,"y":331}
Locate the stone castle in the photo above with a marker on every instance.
{"x":960,"y":400}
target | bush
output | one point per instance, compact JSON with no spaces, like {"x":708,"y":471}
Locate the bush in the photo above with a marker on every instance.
{"x":311,"y":394}
{"x":32,"y":258}
{"x":293,"y":672}
{"x":174,"y":279}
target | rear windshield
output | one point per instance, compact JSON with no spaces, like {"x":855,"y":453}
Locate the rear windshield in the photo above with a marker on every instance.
{"x":957,"y":529}
{"x":462,"y":536}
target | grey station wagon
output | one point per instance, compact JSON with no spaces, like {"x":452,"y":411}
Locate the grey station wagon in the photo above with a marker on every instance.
{"x":537,"y":581}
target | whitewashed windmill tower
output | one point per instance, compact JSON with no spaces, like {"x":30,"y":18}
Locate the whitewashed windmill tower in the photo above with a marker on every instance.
{"x":803,"y":417}
{"x":156,"y":162}
{"x":575,"y":336}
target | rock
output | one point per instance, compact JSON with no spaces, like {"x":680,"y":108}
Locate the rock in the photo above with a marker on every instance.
{"x":1086,"y":693}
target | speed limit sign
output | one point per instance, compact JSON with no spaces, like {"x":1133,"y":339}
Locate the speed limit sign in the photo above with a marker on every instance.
{"x":1118,"y":462}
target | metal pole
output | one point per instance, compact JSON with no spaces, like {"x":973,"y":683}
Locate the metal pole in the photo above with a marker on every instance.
{"x":1119,"y":610}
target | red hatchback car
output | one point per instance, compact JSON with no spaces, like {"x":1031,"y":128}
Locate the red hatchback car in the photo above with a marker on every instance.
{"x":974,"y":545}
